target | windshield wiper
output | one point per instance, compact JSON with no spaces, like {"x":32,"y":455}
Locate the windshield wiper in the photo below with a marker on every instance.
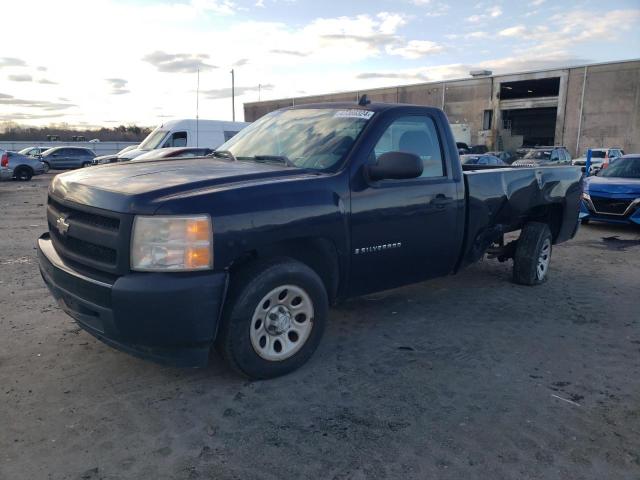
{"x":275,"y":158}
{"x":223,"y":154}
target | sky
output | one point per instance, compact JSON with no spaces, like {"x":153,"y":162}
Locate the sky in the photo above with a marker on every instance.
{"x":112,"y":62}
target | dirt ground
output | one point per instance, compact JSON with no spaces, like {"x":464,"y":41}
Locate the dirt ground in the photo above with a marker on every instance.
{"x":464,"y":377}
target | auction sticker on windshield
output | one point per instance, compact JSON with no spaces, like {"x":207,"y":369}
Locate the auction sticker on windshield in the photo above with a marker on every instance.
{"x":354,"y":113}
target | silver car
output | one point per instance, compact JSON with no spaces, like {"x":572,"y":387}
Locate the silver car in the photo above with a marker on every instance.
{"x":33,"y":151}
{"x":18,"y":166}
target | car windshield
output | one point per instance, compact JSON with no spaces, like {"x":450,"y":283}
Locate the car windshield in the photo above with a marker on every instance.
{"x":538,"y":154}
{"x":314,"y":138}
{"x":596,"y":153}
{"x":153,"y":140}
{"x":623,"y":168}
{"x":26,"y":151}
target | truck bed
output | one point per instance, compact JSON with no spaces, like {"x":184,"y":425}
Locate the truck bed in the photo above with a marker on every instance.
{"x":499,"y":199}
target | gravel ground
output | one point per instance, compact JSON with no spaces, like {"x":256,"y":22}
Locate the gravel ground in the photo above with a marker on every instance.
{"x":463,"y":377}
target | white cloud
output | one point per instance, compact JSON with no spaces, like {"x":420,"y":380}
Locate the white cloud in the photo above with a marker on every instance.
{"x":415,"y":49}
{"x":512,"y":31}
{"x":478,"y":34}
{"x":491,"y":12}
{"x":537,"y":3}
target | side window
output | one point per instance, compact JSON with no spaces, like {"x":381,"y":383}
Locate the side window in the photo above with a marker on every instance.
{"x":555,"y":156}
{"x":177,"y":139}
{"x":417,"y":135}
{"x":567,"y":155}
{"x":228,"y":135}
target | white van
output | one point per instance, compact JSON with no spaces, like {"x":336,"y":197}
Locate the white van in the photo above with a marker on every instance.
{"x":186,"y":133}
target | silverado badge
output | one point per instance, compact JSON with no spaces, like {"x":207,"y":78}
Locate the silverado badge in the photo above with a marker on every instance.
{"x":62,"y":225}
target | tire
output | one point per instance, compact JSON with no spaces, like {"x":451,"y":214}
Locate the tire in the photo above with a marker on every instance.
{"x":47,"y":167}
{"x":281,"y":301}
{"x":533,"y":254}
{"x":584,"y":221}
{"x":23,"y":174}
{"x":86,"y":164}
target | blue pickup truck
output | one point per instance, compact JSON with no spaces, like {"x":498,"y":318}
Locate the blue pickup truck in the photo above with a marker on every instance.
{"x":244,"y":250}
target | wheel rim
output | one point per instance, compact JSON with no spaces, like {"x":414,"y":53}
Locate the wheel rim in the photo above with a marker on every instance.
{"x":281,"y":323}
{"x":543,"y":259}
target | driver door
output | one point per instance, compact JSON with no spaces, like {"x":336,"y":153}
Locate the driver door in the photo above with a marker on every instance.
{"x":405,"y":231}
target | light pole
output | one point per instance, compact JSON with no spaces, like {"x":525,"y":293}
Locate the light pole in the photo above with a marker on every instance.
{"x":233,"y":95}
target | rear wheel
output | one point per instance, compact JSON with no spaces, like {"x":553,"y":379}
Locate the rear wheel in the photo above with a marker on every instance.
{"x":274,"y":318}
{"x":23,"y":174}
{"x":533,"y":254}
{"x":47,"y":167}
{"x":86,"y":164}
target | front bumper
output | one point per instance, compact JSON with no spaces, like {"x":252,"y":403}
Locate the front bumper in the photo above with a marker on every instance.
{"x":169,"y":318}
{"x":587,"y":212}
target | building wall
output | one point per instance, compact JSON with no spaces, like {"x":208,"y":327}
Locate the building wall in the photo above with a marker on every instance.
{"x":610,"y":115}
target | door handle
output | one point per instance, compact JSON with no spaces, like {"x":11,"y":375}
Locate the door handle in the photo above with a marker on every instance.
{"x":441,"y":201}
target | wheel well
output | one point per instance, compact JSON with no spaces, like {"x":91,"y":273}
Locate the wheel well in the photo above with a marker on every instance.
{"x":22,"y":167}
{"x":551,"y":214}
{"x":319,"y":254}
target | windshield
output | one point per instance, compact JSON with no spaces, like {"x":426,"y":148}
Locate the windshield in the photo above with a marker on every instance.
{"x":596,"y":153}
{"x":26,"y":151}
{"x":49,"y":151}
{"x":307,"y":138}
{"x":539,"y":154}
{"x":153,"y":140}
{"x":623,"y":168}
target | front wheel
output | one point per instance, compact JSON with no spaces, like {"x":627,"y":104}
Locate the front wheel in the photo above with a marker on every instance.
{"x":274,"y":319}
{"x":47,"y":167}
{"x":533,"y":254}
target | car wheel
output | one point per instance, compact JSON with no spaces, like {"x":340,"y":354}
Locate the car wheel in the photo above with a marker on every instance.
{"x":584,"y":221}
{"x":47,"y":167}
{"x":274,"y":318}
{"x":86,"y":164}
{"x":533,"y":254}
{"x":23,"y":174}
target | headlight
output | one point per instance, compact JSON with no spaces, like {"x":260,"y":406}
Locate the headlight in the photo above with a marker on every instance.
{"x":172,"y":243}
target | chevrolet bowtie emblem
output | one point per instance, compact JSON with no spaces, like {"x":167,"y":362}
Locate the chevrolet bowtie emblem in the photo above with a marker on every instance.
{"x":62,"y":225}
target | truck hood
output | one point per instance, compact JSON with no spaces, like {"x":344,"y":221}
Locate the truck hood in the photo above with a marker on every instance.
{"x":139,"y":187}
{"x":613,"y":186}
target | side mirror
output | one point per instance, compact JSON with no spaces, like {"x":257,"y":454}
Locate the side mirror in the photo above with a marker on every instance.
{"x":396,"y":166}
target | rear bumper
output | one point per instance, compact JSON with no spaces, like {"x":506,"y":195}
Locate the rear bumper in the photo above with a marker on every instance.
{"x":169,"y":318}
{"x":6,"y":173}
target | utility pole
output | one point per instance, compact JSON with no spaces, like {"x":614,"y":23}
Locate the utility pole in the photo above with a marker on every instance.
{"x":233,"y":95}
{"x":197,"y":105}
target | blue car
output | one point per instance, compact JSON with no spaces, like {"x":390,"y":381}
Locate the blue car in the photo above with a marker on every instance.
{"x":613,"y":195}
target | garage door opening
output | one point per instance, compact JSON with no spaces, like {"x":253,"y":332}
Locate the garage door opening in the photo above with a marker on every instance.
{"x":537,"y":126}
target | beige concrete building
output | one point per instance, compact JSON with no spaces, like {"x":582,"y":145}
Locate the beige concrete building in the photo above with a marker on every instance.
{"x":594,"y":105}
